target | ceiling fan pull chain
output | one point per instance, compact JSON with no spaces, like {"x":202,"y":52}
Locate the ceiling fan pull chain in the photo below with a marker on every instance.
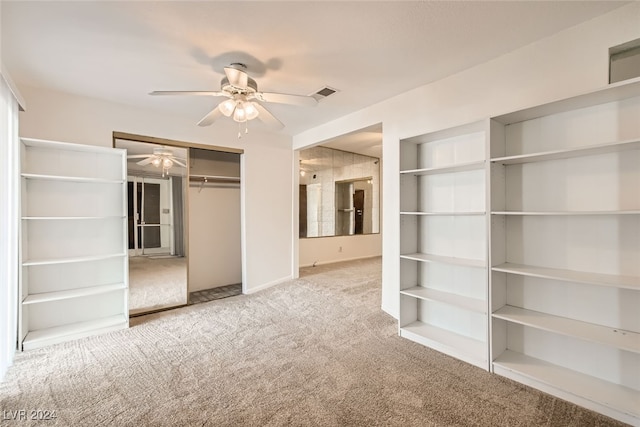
{"x":239,"y":131}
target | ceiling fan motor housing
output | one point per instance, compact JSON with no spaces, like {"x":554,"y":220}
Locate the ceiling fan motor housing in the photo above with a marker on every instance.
{"x":252,"y":86}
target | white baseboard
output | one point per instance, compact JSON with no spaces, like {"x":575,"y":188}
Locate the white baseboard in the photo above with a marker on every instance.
{"x":340,"y":260}
{"x":266,"y":285}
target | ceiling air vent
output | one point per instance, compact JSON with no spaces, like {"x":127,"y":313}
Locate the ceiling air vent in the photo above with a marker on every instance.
{"x":323,"y":93}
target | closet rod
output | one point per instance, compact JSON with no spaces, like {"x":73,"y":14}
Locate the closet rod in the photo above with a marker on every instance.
{"x":214,"y":179}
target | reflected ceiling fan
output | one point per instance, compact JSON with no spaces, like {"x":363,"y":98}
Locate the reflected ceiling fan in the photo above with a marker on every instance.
{"x":244,"y":99}
{"x":160,"y":158}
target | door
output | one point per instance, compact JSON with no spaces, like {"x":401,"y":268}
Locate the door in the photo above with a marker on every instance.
{"x":302,"y":219}
{"x":358,"y":206}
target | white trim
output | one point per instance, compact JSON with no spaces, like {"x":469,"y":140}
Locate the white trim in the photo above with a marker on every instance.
{"x":9,"y":221}
{"x":341,"y":260}
{"x":267,"y":285}
{"x":22,"y":105}
{"x":243,"y":226}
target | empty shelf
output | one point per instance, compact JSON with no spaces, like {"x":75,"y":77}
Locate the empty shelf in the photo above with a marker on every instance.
{"x":611,"y":280}
{"x":614,"y":337}
{"x":617,"y":397}
{"x":566,"y":213}
{"x":611,"y":147}
{"x":457,"y":300}
{"x":467,"y":262}
{"x":71,"y":178}
{"x":72,"y":218}
{"x":70,"y":259}
{"x":41,"y":337}
{"x":443,"y":213}
{"x":72,"y":293}
{"x":462,"y":347}
{"x":461,"y":167}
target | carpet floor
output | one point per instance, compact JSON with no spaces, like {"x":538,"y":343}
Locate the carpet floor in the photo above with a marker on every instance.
{"x":156,"y":283}
{"x":313,"y":351}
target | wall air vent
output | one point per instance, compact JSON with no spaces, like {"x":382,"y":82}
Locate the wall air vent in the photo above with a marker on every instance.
{"x":323,"y":93}
{"x":624,"y":61}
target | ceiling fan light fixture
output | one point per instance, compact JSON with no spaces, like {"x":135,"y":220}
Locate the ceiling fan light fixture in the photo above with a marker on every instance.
{"x":167,"y":163}
{"x":156,"y":161}
{"x":250,"y":110}
{"x":227,"y":107}
{"x":240,"y":115}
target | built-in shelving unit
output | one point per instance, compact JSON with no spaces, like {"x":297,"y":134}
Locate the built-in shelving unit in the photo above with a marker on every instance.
{"x":443,"y":260}
{"x":73,"y":253}
{"x":544,"y":205}
{"x":565,"y":249}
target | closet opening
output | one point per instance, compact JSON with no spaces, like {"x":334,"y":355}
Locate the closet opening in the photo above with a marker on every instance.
{"x":184,"y":225}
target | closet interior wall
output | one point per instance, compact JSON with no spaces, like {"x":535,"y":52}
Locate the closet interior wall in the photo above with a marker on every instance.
{"x":215,"y":257}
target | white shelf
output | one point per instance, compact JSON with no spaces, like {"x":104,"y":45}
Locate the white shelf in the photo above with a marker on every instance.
{"x":71,"y":178}
{"x":611,"y":280}
{"x":610,"y":93}
{"x":467,"y":303}
{"x":468,"y":349}
{"x":74,"y":242}
{"x":443,"y":213}
{"x":467,"y":262}
{"x":72,"y":218}
{"x":566,"y":213}
{"x":72,"y":293}
{"x":618,"y":338}
{"x":461,"y":167}
{"x":566,"y":381}
{"x":70,"y":146}
{"x":631,"y":144}
{"x":71,"y":259}
{"x":42,"y":337}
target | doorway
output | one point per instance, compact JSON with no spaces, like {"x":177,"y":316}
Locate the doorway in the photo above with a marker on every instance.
{"x":147,"y":233}
{"x":358,"y":206}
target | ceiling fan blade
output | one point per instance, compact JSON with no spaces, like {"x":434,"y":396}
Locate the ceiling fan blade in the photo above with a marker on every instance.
{"x":210,"y":117}
{"x":237,"y":78}
{"x":145,"y":161}
{"x":266,"y":116}
{"x":284,"y":98}
{"x":178,"y":162}
{"x":139,"y":156}
{"x":189,"y":92}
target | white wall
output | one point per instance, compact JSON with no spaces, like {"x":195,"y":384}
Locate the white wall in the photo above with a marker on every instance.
{"x":571,"y":62}
{"x":267,"y":181}
{"x":325,"y":250}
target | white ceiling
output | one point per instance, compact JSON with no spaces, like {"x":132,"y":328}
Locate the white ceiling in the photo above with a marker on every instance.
{"x":370,"y":51}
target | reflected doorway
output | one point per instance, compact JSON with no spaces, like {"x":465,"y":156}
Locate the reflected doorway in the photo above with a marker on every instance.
{"x":149,"y":219}
{"x":156,"y":203}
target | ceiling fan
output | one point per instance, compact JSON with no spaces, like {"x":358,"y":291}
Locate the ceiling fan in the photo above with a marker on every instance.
{"x":244,"y":99}
{"x":161,"y":157}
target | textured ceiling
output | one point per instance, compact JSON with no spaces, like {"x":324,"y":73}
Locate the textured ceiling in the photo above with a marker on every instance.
{"x":370,"y":51}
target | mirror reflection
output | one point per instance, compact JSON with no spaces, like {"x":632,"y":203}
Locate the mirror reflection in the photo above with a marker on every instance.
{"x":157,"y":185}
{"x":339,"y":193}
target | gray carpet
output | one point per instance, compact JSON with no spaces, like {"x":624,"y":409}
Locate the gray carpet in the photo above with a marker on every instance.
{"x":315,"y":351}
